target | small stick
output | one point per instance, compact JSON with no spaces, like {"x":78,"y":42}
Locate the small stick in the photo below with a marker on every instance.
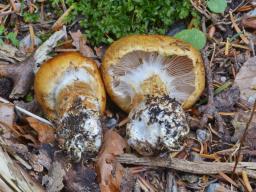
{"x":196,"y":167}
{"x":237,"y":28}
{"x":6,"y":13}
{"x":210,"y":108}
{"x":123,"y":122}
{"x":59,"y":23}
{"x":13,"y":5}
{"x":27,"y":112}
{"x":228,"y":179}
{"x":32,"y":37}
{"x":246,"y":181}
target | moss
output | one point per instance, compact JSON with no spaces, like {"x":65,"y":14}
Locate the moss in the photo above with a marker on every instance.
{"x":104,"y":21}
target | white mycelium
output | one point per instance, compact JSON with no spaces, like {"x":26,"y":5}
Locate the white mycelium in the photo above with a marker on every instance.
{"x":81,"y":131}
{"x":156,"y":124}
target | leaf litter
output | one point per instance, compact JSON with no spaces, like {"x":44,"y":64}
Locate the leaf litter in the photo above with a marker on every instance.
{"x":31,"y":142}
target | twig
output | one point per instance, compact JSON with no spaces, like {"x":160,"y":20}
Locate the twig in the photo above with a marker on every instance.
{"x":27,"y":112}
{"x":210,"y":108}
{"x":197,"y":167}
{"x":246,"y":181}
{"x":228,"y":179}
{"x":200,"y":10}
{"x":41,"y":53}
{"x":6,"y":13}
{"x":32,"y":37}
{"x":59,"y":23}
{"x":207,"y":15}
{"x":13,"y":5}
{"x":243,"y":136}
{"x":237,"y":28}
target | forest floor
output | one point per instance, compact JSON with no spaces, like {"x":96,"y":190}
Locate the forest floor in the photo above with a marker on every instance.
{"x":218,"y":155}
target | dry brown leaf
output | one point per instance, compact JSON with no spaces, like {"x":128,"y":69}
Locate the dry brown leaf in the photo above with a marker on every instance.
{"x":239,"y":122}
{"x":100,"y":51}
{"x":45,"y":132}
{"x":23,"y":131}
{"x":110,"y":172}
{"x":79,"y":41}
{"x":249,"y":22}
{"x":54,"y":180}
{"x":246,"y":80}
{"x":40,"y":161}
{"x":7,"y":115}
{"x":81,"y":178}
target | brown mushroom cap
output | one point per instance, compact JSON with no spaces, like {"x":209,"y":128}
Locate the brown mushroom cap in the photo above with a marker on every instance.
{"x":66,"y":77}
{"x":182,"y":70}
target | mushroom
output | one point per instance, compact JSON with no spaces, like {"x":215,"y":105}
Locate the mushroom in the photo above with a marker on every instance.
{"x":71,"y":93}
{"x":153,"y":78}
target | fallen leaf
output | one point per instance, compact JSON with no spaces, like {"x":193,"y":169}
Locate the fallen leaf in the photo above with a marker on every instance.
{"x":246,"y":80}
{"x":249,"y":22}
{"x":45,"y":132}
{"x":239,"y":123}
{"x":40,"y":161}
{"x":24,"y":131}
{"x":226,"y":100}
{"x":110,"y":172}
{"x":54,"y":180}
{"x":217,"y":6}
{"x":79,"y":41}
{"x":81,"y":178}
{"x":100,"y":51}
{"x":5,"y":87}
{"x":7,"y":115}
{"x":193,"y":36}
{"x":250,"y":138}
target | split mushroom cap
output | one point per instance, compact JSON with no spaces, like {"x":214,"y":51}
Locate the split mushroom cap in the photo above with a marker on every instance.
{"x":139,"y":65}
{"x":65,"y":77}
{"x":70,"y":91}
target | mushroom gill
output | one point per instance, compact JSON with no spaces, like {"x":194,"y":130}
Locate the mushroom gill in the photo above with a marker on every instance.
{"x":148,"y":73}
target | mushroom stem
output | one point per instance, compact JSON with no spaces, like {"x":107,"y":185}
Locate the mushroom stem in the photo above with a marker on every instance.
{"x":156,"y":124}
{"x":80,"y":129}
{"x":70,"y":91}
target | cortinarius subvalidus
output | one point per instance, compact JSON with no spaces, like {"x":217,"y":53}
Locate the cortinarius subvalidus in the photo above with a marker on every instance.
{"x":153,"y":77}
{"x":71,"y":93}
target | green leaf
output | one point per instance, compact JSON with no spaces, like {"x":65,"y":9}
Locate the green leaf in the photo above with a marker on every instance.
{"x":217,"y":6}
{"x":29,"y":97}
{"x":31,"y":17}
{"x":193,"y":36}
{"x":1,"y":42}
{"x":1,"y":29}
{"x":13,"y":38}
